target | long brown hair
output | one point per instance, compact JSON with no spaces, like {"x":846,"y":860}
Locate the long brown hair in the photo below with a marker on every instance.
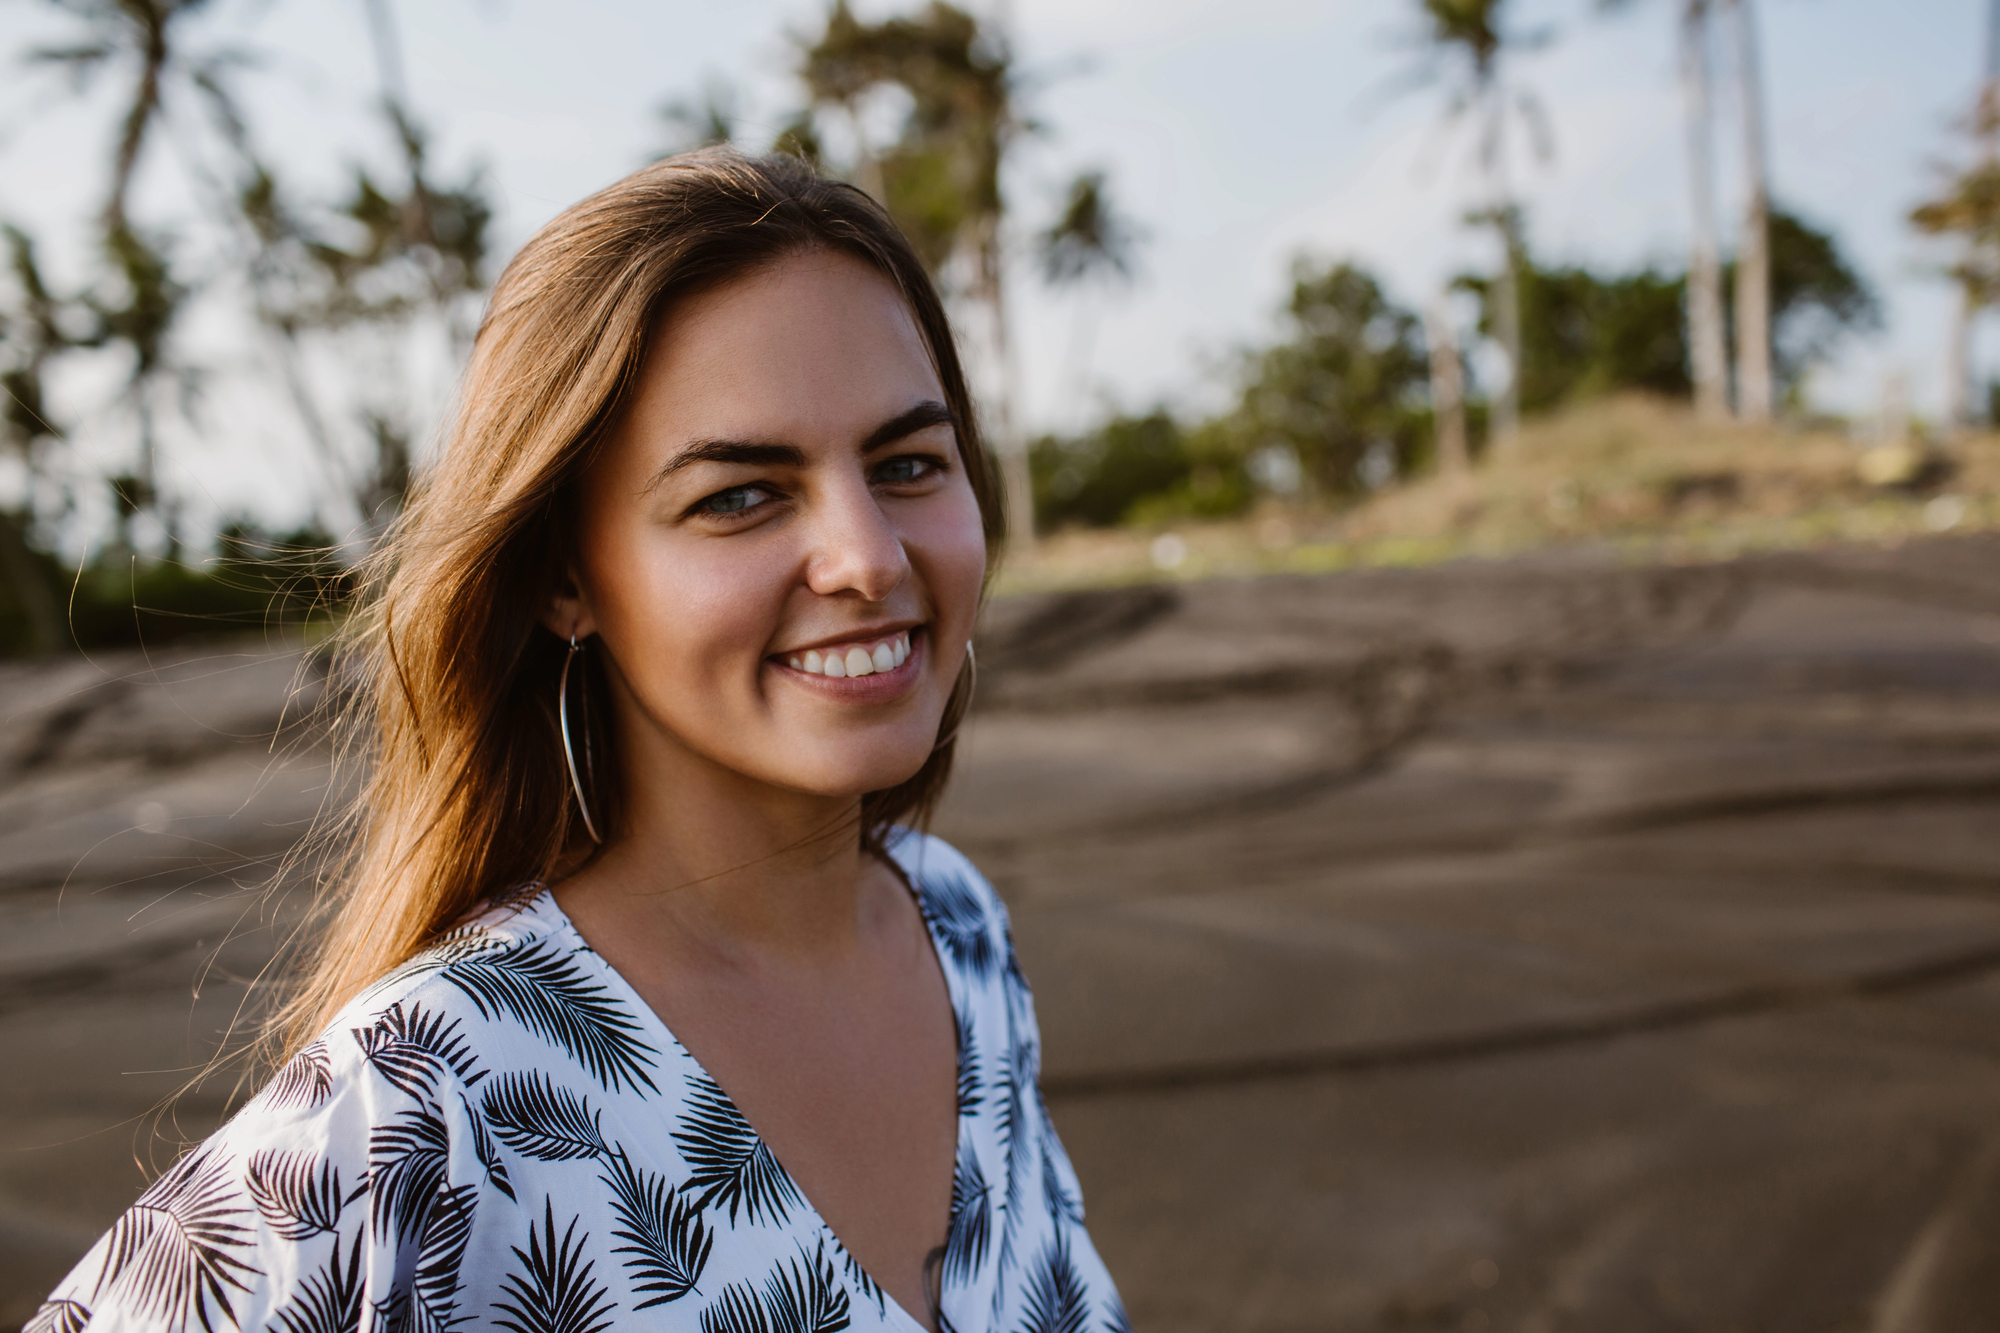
{"x":450,"y":677}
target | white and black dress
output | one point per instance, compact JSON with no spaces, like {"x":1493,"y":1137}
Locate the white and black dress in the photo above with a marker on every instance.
{"x":502,"y":1134}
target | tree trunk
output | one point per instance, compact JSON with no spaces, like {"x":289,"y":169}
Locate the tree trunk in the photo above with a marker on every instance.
{"x":1506,"y":283}
{"x":24,"y":575}
{"x":1009,"y":449}
{"x":1958,"y":366}
{"x":1753,"y":252}
{"x":1454,"y":458}
{"x":1708,"y":354}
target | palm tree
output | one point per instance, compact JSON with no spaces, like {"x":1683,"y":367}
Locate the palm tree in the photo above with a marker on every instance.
{"x":1754,"y":392}
{"x":1473,"y":33}
{"x":941,"y":177}
{"x":1969,"y":208}
{"x":1089,"y":242}
{"x":1706,"y":342}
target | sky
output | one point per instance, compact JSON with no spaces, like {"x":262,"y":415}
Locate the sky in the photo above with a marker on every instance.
{"x":1238,"y":135}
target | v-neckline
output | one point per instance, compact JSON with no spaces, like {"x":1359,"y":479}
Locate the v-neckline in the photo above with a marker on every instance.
{"x":952,"y":985}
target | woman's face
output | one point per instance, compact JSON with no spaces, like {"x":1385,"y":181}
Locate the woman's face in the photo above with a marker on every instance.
{"x":779,"y":548}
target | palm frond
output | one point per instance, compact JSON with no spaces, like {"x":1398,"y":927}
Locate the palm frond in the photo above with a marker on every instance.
{"x":540,"y":986}
{"x":440,"y":1255}
{"x":1115,"y":1319}
{"x":1057,"y":1301}
{"x":968,"y":1064}
{"x":971,"y":1230}
{"x":737,"y":1310}
{"x":553,"y":1291}
{"x":305,"y":1081}
{"x":413,"y":1048}
{"x":958,"y":917}
{"x":173,"y":1252}
{"x":406,"y":1170}
{"x":666,"y":1237}
{"x":330,"y":1298}
{"x":857,"y":1277}
{"x":804,"y":1296}
{"x":298,"y":1194}
{"x":534,"y":1115}
{"x":1065,"y":1204}
{"x":59,"y":1317}
{"x":487,"y":1150}
{"x":728,"y":1163}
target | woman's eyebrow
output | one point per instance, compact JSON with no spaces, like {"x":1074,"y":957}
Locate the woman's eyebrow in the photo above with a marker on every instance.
{"x":928,"y":413}
{"x":769,"y":453}
{"x":754,"y":453}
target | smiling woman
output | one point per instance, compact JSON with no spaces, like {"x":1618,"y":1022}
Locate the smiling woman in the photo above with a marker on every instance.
{"x":637,"y":994}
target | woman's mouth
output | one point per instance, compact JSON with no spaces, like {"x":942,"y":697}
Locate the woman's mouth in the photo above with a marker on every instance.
{"x":861,"y":658}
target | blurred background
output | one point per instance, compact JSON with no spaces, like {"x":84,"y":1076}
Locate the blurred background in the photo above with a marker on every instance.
{"x":1489,"y":728}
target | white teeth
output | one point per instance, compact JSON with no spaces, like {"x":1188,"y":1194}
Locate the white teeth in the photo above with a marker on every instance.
{"x":856,"y":661}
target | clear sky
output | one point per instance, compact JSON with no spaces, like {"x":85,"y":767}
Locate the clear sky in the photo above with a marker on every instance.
{"x":1237,"y":132}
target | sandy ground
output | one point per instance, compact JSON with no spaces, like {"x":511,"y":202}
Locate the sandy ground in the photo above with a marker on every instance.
{"x":1538,"y":945}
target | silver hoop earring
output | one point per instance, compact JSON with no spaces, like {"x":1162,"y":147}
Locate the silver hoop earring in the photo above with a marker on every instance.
{"x":971,"y":686}
{"x":569,"y":753}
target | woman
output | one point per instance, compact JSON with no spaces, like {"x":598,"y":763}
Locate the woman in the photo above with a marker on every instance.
{"x":640,"y":1006}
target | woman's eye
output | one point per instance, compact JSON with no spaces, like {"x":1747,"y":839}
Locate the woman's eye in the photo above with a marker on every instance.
{"x":910,"y":467}
{"x":734,"y":500}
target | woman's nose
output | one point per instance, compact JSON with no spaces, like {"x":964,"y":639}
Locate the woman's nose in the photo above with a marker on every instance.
{"x":855,"y":548}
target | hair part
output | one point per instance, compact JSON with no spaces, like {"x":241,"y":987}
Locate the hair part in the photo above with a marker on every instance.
{"x":448,"y":709}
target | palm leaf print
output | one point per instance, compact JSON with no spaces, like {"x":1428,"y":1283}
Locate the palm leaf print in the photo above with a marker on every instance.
{"x":971,"y":1220}
{"x":329,"y":1300}
{"x":406,"y":1169}
{"x":729,"y":1164}
{"x":174,"y":1249}
{"x":413,"y":1049}
{"x":306,"y":1080}
{"x":959,"y":918}
{"x":1064,"y":1204}
{"x":535,"y":1116}
{"x":737,"y":1311}
{"x":666,"y":1238}
{"x":1057,"y":1301}
{"x":541,"y":987}
{"x":968,"y":1065}
{"x":802,"y":1296}
{"x":487,"y":1150}
{"x":439,"y":1257}
{"x":553,"y":1292}
{"x":1115,"y":1320}
{"x":805,"y":1297}
{"x":298,"y":1194}
{"x":59,"y":1317}
{"x":857,"y":1277}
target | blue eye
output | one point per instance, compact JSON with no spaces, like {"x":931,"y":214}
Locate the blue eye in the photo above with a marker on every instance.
{"x":734,"y":500}
{"x":910,"y":467}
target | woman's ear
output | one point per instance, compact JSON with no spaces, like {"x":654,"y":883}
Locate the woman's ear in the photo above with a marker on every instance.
{"x":567,"y":614}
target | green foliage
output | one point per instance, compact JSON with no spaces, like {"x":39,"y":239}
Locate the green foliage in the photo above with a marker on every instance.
{"x":1351,"y":374}
{"x":257,"y":581}
{"x":1585,"y":334}
{"x":1094,"y":481}
{"x":1817,"y":299}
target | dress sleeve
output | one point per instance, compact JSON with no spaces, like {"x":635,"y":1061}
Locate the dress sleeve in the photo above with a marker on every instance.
{"x":348,"y":1192}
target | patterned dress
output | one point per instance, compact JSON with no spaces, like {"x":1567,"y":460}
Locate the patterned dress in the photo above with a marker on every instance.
{"x":502,"y":1134}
